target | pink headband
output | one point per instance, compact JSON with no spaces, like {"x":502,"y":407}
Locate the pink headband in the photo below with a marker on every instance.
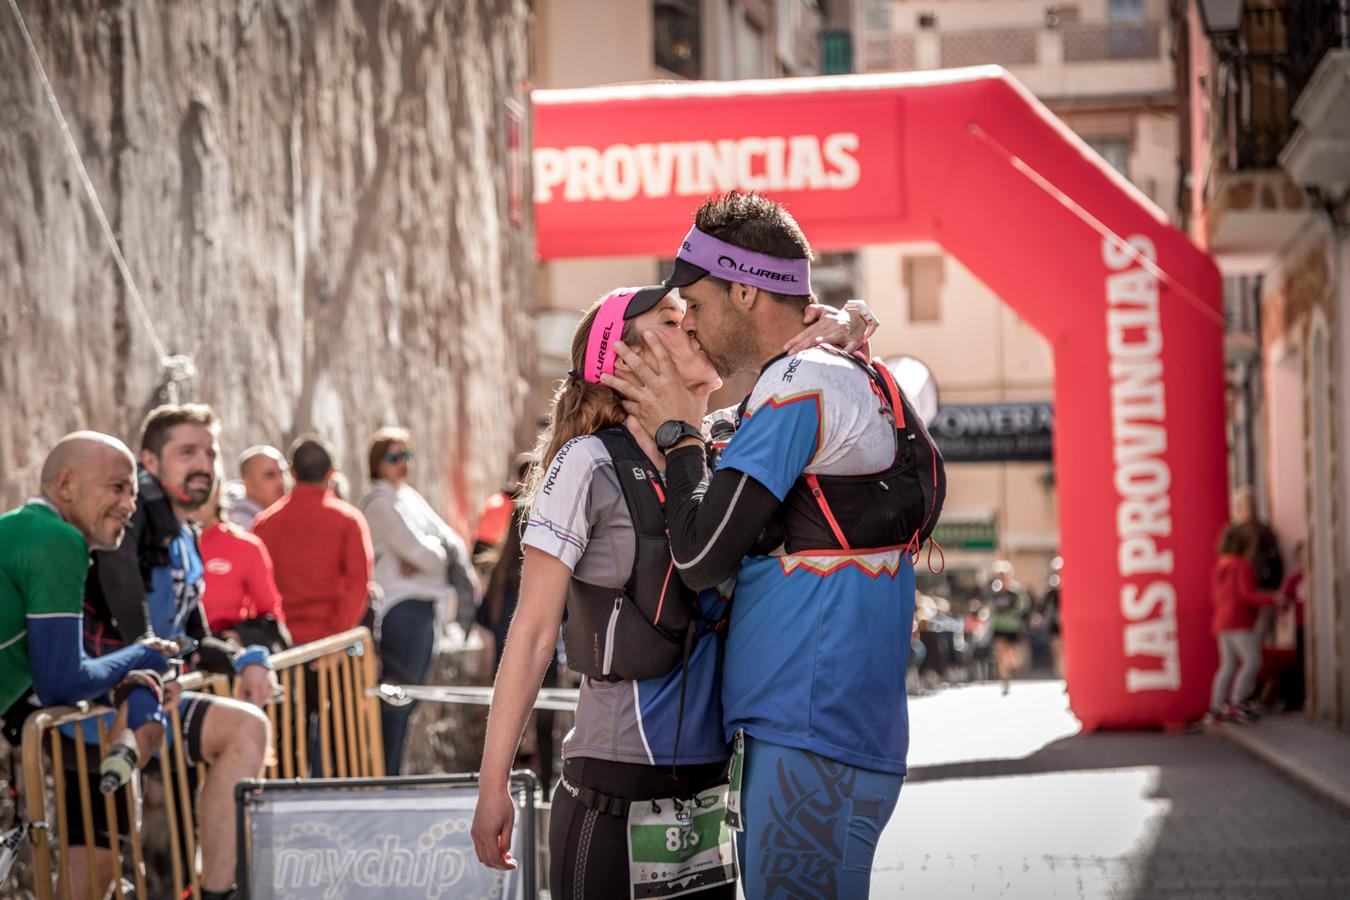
{"x":716,"y":257}
{"x":605,"y":330}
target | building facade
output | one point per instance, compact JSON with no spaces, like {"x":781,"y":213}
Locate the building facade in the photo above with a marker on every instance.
{"x":1104,"y":67}
{"x":648,"y":40}
{"x":1265,"y":169}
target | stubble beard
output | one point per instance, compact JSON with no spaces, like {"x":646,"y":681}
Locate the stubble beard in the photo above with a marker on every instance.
{"x":736,"y":349}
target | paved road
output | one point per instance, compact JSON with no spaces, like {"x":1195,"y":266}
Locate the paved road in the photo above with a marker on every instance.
{"x":1004,"y":799}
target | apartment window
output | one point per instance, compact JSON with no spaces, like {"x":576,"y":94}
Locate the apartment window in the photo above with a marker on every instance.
{"x":877,"y":15}
{"x":676,"y":26}
{"x":1115,"y":151}
{"x":1125,"y":10}
{"x":923,"y":284}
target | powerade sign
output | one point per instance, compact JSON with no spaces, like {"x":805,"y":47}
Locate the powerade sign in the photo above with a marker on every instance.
{"x":994,"y":432}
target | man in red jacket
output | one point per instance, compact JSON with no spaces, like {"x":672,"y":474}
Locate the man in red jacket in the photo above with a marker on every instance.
{"x":320,"y":549}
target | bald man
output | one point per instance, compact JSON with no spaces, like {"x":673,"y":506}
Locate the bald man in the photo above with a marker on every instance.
{"x":88,"y":493}
{"x":264,"y":472}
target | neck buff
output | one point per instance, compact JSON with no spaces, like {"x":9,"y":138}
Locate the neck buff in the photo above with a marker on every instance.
{"x":727,"y":261}
{"x":605,"y":330}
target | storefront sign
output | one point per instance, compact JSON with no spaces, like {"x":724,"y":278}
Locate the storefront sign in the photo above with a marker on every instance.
{"x":994,"y":432}
{"x":971,"y":535}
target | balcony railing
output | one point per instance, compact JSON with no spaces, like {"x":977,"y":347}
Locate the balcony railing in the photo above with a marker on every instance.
{"x":1004,"y":47}
{"x":1071,"y":43}
{"x":1253,"y":100}
{"x":1262,"y":76}
{"x":1312,"y":27}
{"x":888,"y":52}
{"x":1101,"y":42}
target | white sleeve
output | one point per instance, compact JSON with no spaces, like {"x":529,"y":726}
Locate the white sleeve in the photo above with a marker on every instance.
{"x":559,"y":522}
{"x":419,"y":550}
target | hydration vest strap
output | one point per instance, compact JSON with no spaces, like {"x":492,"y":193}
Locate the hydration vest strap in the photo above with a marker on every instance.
{"x":942,"y":557}
{"x":816,"y":492}
{"x":660,"y":604}
{"x":684,"y":682}
{"x":892,"y":390}
{"x":928,"y":487}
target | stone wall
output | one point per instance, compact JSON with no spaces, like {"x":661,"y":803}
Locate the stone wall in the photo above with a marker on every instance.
{"x":315,"y":200}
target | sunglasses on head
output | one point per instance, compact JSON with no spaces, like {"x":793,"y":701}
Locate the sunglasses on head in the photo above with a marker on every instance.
{"x":394,"y":458}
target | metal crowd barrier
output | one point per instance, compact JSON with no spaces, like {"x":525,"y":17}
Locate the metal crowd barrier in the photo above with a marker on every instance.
{"x":325,"y":721}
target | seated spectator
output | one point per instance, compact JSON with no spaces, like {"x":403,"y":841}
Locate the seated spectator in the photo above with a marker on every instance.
{"x":424,"y":572}
{"x":264,"y":472}
{"x":87,"y":495}
{"x":320,"y":549}
{"x":152,"y":584}
{"x":241,"y":599}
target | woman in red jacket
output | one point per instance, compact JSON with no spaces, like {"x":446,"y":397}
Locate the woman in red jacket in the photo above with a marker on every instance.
{"x":1236,"y":601}
{"x":241,"y":598}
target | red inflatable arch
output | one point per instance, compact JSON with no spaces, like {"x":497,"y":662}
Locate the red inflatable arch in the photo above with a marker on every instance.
{"x":971,"y":160}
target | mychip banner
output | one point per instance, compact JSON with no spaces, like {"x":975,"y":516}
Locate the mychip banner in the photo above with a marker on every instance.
{"x":376,"y":839}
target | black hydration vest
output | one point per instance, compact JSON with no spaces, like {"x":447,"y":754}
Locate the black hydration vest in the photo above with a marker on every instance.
{"x":642,"y":629}
{"x":898,"y":507}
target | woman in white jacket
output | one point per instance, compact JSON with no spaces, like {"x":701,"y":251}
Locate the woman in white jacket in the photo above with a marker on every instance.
{"x":424,"y":572}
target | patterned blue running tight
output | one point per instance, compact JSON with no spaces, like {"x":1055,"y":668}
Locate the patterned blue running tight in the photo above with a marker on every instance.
{"x":811,"y":823}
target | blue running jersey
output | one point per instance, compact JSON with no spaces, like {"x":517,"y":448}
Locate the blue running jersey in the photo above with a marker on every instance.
{"x":818,"y":644}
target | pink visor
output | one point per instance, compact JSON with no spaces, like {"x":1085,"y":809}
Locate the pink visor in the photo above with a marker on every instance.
{"x":618,"y":307}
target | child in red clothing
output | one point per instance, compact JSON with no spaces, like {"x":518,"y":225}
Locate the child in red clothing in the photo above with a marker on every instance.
{"x":1236,"y":601}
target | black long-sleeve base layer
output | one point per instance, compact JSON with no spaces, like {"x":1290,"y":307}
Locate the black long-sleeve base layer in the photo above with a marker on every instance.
{"x":715,"y":521}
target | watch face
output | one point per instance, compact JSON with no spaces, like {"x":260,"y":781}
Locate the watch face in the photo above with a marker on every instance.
{"x":667,"y":434}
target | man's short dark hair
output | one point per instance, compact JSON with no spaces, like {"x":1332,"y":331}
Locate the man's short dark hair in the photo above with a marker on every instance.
{"x":311,"y":460}
{"x":163,"y":419}
{"x":756,"y":223}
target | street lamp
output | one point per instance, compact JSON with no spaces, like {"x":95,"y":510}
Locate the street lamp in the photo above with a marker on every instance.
{"x":1221,"y":20}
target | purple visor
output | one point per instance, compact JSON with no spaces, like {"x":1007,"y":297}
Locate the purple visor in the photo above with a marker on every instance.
{"x":702,"y":254}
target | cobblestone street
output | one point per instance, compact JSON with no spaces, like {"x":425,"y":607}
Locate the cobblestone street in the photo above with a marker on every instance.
{"x":1005,"y":800}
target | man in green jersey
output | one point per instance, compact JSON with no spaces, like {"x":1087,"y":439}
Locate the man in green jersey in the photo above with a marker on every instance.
{"x":88,"y":493}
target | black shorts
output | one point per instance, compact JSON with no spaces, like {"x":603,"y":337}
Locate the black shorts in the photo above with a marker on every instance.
{"x":1008,"y":638}
{"x":588,"y":850}
{"x":192,"y":711}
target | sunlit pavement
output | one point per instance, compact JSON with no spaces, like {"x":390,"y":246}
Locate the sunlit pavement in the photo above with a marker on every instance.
{"x":1005,"y":799}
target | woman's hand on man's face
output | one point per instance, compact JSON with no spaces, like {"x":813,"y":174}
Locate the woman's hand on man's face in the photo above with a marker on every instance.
{"x":658,"y":391}
{"x":692,"y":364}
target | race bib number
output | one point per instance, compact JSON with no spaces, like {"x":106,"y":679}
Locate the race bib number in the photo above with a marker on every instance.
{"x":678,"y":846}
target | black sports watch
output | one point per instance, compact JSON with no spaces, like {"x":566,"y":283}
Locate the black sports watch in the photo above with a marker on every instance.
{"x":672,"y":432}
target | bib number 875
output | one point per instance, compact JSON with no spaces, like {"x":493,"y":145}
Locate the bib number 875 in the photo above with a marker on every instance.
{"x":681,"y":839}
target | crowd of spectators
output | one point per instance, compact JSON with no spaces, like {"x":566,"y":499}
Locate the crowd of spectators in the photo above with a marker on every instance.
{"x":184,"y":566}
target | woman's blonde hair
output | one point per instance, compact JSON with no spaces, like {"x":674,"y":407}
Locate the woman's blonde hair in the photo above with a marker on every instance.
{"x":579,"y":407}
